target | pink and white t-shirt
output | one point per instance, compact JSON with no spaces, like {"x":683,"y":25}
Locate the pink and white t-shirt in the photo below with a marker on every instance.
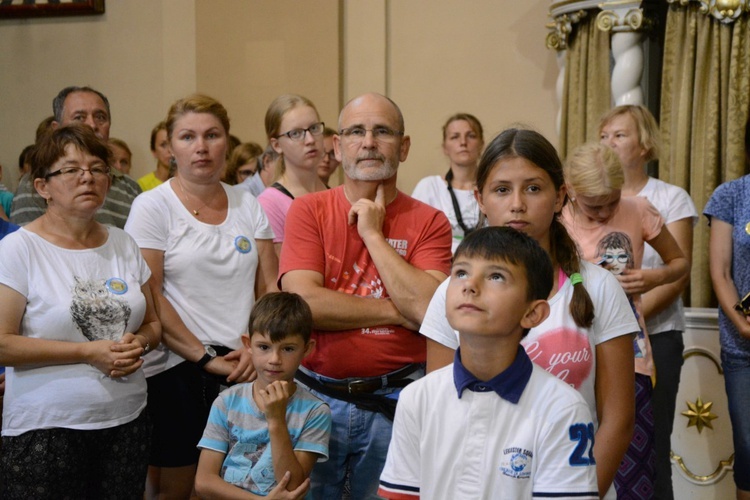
{"x":618,"y":244}
{"x":558,"y":345}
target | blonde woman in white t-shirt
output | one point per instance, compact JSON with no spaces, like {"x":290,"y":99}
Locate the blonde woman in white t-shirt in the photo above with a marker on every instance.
{"x":632,"y":132}
{"x":210,"y":250}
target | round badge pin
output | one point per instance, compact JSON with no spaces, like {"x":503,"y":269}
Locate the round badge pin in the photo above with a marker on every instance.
{"x":117,"y":286}
{"x":242,"y":244}
{"x":747,"y":228}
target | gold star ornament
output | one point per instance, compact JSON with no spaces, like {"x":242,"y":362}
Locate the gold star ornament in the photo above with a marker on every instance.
{"x":699,"y":414}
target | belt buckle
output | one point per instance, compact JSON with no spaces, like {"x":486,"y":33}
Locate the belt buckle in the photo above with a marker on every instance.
{"x":354,"y":384}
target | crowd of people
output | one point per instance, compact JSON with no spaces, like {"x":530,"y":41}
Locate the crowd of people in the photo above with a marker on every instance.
{"x":202,"y":331}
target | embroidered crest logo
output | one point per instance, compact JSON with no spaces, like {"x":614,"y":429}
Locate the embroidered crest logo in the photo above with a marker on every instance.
{"x":516,"y":463}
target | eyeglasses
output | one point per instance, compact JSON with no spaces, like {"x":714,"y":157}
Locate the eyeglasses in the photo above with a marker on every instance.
{"x":245,"y":173}
{"x":70,"y":173}
{"x":621,"y":258}
{"x":298,"y":134}
{"x":330,"y":154}
{"x":357,"y":134}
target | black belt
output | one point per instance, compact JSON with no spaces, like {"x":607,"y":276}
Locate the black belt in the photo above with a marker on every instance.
{"x":364,"y":385}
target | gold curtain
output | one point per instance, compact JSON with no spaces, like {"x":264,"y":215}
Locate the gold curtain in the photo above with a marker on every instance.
{"x":704,"y":107}
{"x":586,"y":93}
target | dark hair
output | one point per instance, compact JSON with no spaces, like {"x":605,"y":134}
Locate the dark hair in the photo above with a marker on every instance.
{"x":122,"y":145}
{"x":52,"y":147}
{"x":281,"y":314}
{"x":22,"y":158}
{"x":328,"y":132}
{"x":58,"y":103}
{"x":232,"y":142}
{"x":514,"y":247}
{"x":43,"y":128}
{"x":533,"y":147}
{"x":269,"y":154}
{"x":239,"y":157}
{"x":162,"y":125}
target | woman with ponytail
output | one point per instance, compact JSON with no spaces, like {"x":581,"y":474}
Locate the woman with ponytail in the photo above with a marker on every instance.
{"x":587,"y":339}
{"x":453,"y":194}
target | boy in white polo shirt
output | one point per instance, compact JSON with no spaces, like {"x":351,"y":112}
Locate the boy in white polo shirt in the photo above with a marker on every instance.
{"x":493,"y":424}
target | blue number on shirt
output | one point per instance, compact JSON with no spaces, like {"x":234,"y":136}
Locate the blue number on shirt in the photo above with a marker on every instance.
{"x":583,"y":454}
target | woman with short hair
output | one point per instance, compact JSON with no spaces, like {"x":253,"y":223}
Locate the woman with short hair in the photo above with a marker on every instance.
{"x":76,"y":315}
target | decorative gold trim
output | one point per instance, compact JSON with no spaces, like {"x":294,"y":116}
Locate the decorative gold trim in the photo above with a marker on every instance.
{"x":699,"y":414}
{"x":724,"y":465}
{"x":609,"y":20}
{"x":699,"y":351}
{"x":716,"y":476}
{"x":726,"y":11}
{"x":557,"y":38}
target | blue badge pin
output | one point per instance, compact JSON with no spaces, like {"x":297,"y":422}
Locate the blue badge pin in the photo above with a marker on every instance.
{"x":117,"y":286}
{"x":242,"y":244}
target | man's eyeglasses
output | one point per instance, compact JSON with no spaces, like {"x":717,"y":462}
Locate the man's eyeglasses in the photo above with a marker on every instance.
{"x":380,"y":134}
{"x":70,"y":173}
{"x":298,"y":134}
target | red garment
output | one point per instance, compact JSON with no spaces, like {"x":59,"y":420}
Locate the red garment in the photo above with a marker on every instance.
{"x":318,"y":238}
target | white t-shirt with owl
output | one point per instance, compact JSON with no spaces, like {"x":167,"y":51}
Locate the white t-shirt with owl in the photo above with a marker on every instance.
{"x":73,"y":296}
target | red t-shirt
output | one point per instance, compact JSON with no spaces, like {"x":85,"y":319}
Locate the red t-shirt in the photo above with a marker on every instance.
{"x":319,"y":238}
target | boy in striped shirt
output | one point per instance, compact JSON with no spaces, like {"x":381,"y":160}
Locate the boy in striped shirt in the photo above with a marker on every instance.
{"x":265,"y":436}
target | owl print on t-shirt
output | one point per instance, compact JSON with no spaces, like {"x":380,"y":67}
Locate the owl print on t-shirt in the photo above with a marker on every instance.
{"x":97,"y":310}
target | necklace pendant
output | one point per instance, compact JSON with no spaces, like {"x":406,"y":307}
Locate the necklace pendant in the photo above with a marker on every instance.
{"x":195,"y":212}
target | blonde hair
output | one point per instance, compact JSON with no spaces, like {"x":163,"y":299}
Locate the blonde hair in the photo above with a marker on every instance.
{"x":593,"y":169}
{"x":472,"y":120}
{"x":197,"y":103}
{"x":648,"y":130}
{"x":275,"y":113}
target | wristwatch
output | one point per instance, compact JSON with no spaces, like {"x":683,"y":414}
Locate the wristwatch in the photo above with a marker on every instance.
{"x":210,"y":354}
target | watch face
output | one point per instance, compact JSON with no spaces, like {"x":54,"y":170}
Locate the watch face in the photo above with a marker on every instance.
{"x":210,"y":351}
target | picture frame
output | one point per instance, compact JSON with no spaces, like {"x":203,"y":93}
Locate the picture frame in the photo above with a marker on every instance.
{"x":10,"y":9}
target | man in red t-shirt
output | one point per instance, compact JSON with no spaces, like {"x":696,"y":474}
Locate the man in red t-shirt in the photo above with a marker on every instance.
{"x":367,"y":258}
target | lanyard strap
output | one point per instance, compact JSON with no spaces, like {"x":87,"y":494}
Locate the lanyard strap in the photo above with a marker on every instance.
{"x":456,"y":208}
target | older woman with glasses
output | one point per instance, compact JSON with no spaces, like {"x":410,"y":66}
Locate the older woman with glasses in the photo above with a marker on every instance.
{"x":76,"y":315}
{"x":295,"y":132}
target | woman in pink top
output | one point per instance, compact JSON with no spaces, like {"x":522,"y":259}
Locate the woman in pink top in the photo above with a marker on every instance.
{"x":594,"y":178}
{"x":295,"y":132}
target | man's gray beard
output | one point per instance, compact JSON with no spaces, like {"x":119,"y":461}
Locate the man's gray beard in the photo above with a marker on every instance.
{"x":386,"y":171}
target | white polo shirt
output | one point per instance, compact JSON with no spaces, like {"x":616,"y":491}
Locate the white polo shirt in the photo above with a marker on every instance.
{"x":457,"y":438}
